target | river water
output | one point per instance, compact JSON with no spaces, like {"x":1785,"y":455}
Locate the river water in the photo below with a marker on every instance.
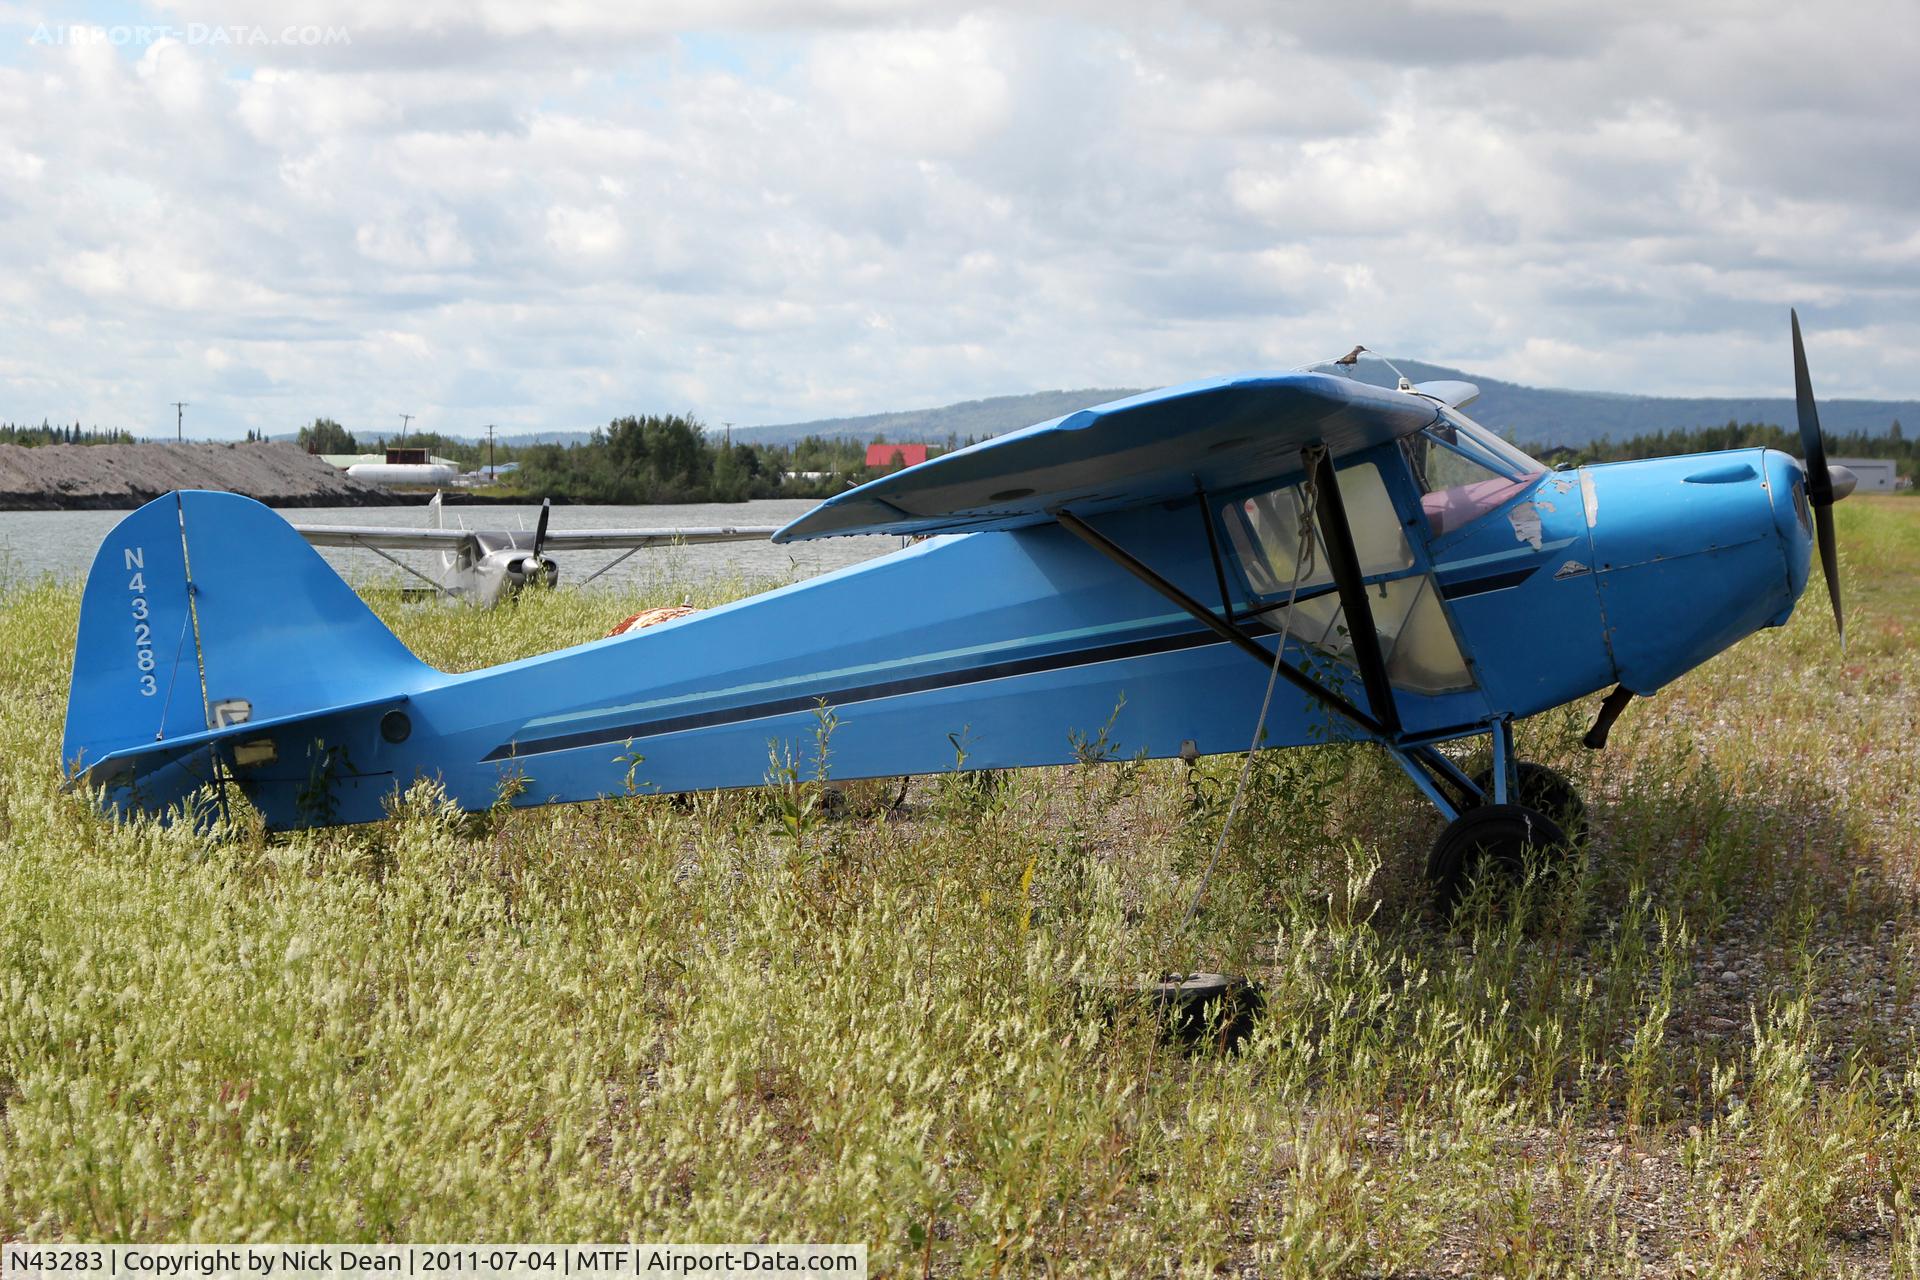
{"x":62,"y":543}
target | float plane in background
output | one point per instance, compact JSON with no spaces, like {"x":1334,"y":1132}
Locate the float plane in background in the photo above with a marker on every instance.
{"x":1384,"y":568}
{"x":486,"y":566}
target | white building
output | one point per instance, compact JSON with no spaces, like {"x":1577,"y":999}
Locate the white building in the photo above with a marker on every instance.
{"x":1876,"y":475}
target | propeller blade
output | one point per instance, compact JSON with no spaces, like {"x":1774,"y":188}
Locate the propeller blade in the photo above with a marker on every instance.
{"x":1830,"y":562}
{"x":1812,"y":448}
{"x":546,"y":510}
{"x":1820,"y":493}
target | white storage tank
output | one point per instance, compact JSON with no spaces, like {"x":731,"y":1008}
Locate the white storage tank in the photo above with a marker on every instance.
{"x":406,"y":466}
{"x":393,"y":473}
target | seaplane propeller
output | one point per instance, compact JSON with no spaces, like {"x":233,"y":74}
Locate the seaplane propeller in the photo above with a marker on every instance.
{"x":535,"y":569}
{"x":1826,"y":484}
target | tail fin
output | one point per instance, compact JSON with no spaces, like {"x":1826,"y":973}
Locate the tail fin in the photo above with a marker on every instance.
{"x":205,"y":616}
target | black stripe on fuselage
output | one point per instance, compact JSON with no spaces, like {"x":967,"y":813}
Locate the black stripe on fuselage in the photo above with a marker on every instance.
{"x":847,"y":695}
{"x":1492,"y":582}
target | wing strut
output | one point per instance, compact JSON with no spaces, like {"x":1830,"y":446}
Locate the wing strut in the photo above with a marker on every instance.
{"x":382,"y":553}
{"x":1225,"y":630}
{"x":1344,"y":561}
{"x":608,"y":565}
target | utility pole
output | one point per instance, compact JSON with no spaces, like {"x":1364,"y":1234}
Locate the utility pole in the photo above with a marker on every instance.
{"x":405,"y":418}
{"x":729,"y":427}
{"x":179,"y":417}
{"x":491,"y":473}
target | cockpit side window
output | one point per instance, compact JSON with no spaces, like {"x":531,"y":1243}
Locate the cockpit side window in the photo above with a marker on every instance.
{"x":1266,"y":533}
{"x":1465,"y":471}
{"x":1265,"y":530}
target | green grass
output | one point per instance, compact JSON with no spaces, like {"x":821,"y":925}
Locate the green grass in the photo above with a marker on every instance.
{"x":736,"y":1018}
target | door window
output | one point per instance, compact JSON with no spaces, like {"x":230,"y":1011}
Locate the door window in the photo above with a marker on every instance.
{"x":1268,"y":539}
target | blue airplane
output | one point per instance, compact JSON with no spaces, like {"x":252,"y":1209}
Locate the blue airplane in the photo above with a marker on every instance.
{"x":1362,"y":562}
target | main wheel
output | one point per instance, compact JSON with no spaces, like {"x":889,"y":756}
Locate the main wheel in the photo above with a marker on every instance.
{"x":1491,"y":842}
{"x":1545,"y":791}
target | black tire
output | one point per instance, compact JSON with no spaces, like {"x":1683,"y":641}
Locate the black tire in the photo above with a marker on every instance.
{"x":1490,"y":842}
{"x":1545,"y":791}
{"x":1202,"y":1010}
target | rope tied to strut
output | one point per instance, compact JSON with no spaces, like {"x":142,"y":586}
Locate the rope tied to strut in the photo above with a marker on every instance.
{"x":1310,"y":499}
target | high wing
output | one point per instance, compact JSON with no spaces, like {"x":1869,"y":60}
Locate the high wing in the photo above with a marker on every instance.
{"x":387,"y":538}
{"x":610,"y":539}
{"x":1212,"y":434}
{"x":384,"y":537}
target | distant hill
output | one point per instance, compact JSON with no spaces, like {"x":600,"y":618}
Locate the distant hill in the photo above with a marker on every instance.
{"x":543,"y":437}
{"x":1545,"y":416}
{"x":980,"y":418}
{"x":518,"y":442}
{"x":1536,"y":416}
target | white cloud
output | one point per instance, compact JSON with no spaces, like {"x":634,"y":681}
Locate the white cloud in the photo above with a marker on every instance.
{"x":921,"y":92}
{"x":585,"y":233}
{"x":414,"y":240}
{"x":548,"y":215}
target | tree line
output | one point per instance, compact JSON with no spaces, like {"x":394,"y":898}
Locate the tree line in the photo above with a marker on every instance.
{"x":632,"y":460}
{"x":672,"y":458}
{"x":47,"y":433}
{"x":1748,"y":435}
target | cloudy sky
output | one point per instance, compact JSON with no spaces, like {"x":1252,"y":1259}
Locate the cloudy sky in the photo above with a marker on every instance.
{"x":544,"y":215}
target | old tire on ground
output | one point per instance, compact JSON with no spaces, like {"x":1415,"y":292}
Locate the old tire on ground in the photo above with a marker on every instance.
{"x":1491,"y":842}
{"x":1208,"y":1010}
{"x":1198,"y":1010}
{"x":1545,"y":791}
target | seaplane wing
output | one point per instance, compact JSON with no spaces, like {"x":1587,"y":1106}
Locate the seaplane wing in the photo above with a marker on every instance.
{"x":619,"y":539}
{"x":1213,"y":434}
{"x":391,"y":539}
{"x":385,"y":537}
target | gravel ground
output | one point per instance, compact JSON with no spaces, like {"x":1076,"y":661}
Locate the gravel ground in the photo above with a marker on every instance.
{"x":97,"y":477}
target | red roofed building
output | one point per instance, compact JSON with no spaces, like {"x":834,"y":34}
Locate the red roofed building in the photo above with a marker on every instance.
{"x":881,"y":456}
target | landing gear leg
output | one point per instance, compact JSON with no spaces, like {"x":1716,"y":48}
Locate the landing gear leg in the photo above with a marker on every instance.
{"x":1502,"y":777}
{"x":1546,"y":791}
{"x":1501,"y":820}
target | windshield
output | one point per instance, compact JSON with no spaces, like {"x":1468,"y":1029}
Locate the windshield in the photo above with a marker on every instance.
{"x":1509,"y":456}
{"x":1465,"y":471}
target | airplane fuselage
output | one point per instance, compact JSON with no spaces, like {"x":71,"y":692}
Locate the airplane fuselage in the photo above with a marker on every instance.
{"x":1027,"y":647}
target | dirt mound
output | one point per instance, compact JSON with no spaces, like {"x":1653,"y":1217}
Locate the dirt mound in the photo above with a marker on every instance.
{"x":108,"y":477}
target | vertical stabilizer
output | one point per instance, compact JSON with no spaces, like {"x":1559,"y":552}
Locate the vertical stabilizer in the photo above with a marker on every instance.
{"x":205,"y":613}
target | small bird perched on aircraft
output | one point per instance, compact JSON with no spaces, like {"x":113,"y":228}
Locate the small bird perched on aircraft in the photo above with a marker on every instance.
{"x":485,"y":566}
{"x":1383,"y":567}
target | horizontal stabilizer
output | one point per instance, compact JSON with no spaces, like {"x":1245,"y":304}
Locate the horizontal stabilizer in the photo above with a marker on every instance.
{"x":1218,"y":434}
{"x":127,"y":766}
